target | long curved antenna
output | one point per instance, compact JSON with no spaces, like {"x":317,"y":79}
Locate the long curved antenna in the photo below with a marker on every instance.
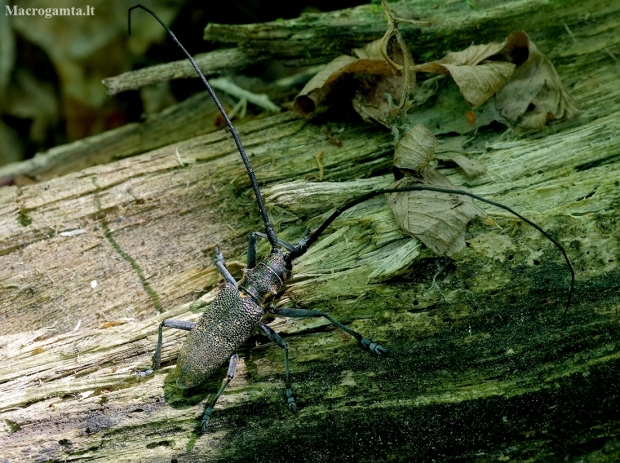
{"x":271,"y":234}
{"x":305,"y":244}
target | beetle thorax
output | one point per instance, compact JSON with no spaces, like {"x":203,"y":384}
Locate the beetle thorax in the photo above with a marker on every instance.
{"x":265,"y":281}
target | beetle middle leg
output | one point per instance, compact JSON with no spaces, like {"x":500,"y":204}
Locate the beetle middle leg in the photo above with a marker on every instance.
{"x":304,"y":313}
{"x":177,"y":324}
{"x":275,"y":337}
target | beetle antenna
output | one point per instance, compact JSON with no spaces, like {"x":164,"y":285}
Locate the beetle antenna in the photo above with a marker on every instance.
{"x":271,"y":234}
{"x":303,"y":247}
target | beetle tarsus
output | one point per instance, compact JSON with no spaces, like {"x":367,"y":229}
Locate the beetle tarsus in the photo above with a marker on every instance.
{"x":205,"y":418}
{"x":142,"y":374}
{"x":292,"y":405}
{"x":373,"y":347}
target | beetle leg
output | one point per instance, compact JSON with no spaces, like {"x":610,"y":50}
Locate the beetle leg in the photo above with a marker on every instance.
{"x":177,"y":324}
{"x":252,"y":250}
{"x":252,"y":246}
{"x":220,"y":263}
{"x":232,"y":367}
{"x":303,"y":313}
{"x":275,"y":337}
{"x":302,"y":246}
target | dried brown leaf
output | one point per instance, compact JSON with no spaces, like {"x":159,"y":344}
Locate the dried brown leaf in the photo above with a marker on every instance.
{"x":452,"y":150}
{"x":380,"y":96}
{"x":370,"y":72}
{"x":371,"y":50}
{"x":477,"y":82}
{"x":481,"y":71}
{"x":473,"y":55}
{"x":376,"y":86}
{"x":528,"y":99}
{"x":437,"y":219}
{"x":534,"y":95}
{"x":415,"y":150}
{"x":317,"y":89}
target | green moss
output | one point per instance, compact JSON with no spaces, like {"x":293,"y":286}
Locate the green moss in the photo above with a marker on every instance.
{"x":13,"y":426}
{"x":197,"y":306}
{"x":492,"y":373}
{"x":24,"y":217}
{"x":163,"y":443}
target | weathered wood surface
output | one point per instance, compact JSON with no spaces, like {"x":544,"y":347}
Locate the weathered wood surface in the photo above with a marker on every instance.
{"x":483,"y":365}
{"x":194,"y":116}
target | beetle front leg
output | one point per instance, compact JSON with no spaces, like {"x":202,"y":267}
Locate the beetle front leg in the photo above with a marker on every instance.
{"x":177,"y":324}
{"x":220,"y":263}
{"x":251,"y":251}
{"x":232,"y":367}
{"x":252,"y":246}
{"x":275,"y":337}
{"x":304,"y":313}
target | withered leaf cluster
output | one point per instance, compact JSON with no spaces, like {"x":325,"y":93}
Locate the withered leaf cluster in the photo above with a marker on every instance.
{"x":511,"y":82}
{"x":376,"y":84}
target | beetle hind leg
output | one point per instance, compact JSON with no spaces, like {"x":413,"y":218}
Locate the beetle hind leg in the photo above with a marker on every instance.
{"x":232,"y":367}
{"x":304,"y":313}
{"x":275,"y":337}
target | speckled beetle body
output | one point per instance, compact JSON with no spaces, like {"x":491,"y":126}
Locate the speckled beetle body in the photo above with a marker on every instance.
{"x":234,"y":314}
{"x":229,"y":320}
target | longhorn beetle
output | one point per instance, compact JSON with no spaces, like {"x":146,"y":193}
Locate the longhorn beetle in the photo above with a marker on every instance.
{"x":239,"y":306}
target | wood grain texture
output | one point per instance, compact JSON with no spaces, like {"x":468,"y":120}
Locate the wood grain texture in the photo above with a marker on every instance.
{"x":483,"y":365}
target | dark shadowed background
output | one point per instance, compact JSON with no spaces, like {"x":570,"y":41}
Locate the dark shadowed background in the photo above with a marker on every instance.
{"x":51,"y":68}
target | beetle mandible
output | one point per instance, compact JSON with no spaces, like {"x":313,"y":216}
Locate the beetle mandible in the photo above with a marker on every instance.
{"x":238,"y":308}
